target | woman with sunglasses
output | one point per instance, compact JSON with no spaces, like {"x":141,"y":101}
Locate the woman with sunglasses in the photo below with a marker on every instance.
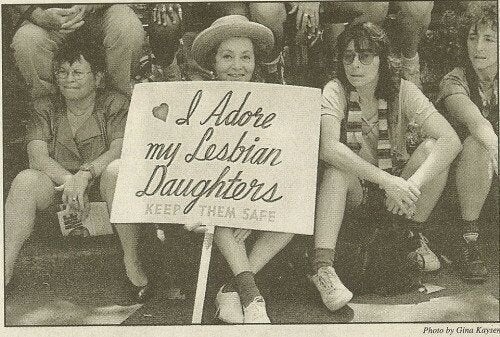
{"x":368,"y":117}
{"x":74,"y":140}
{"x":469,"y":95}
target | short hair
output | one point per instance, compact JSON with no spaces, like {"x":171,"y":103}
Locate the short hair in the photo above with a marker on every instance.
{"x":374,"y":38}
{"x":81,"y":43}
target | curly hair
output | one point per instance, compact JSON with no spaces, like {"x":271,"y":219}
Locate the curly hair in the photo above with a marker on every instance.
{"x":373,"y":37}
{"x":477,"y":13}
{"x":81,"y":44}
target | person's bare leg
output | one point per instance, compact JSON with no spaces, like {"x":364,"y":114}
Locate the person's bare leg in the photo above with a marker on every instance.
{"x":31,"y":190}
{"x":127,"y":233}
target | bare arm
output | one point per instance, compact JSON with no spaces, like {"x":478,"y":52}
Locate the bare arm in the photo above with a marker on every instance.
{"x":446,"y":148}
{"x":479,"y":127}
{"x":39,"y":159}
{"x":337,"y":154}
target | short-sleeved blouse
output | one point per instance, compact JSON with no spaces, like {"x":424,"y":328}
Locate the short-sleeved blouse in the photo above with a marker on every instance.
{"x":455,"y":83}
{"x":49,"y":122}
{"x":414,"y":108}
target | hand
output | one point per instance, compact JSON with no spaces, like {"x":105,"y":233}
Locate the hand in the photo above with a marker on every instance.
{"x":196,"y":227}
{"x":51,"y":18}
{"x":74,"y":189}
{"x":392,"y":207}
{"x":241,"y":234}
{"x":307,"y":15}
{"x":401,"y":191}
{"x":167,"y":14}
{"x":78,"y":12}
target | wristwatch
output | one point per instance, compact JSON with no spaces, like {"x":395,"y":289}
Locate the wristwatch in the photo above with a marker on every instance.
{"x":88,"y":167}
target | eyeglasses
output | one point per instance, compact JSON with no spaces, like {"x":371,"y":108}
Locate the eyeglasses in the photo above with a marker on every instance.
{"x":364,"y":57}
{"x":77,"y":74}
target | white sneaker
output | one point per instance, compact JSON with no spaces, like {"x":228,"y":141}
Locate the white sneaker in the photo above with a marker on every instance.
{"x":256,"y":312}
{"x":424,"y":256}
{"x":228,"y":306}
{"x":334,"y":293}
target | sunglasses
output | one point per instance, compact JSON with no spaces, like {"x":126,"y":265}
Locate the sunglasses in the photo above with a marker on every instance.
{"x":365,"y":57}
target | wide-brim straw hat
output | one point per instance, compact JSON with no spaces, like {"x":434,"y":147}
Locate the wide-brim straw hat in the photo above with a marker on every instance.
{"x":227,"y":27}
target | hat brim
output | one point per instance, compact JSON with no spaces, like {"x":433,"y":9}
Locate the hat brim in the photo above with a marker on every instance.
{"x":261,"y":36}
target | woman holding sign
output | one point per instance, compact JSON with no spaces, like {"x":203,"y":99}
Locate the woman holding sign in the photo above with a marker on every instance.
{"x":73,"y":137}
{"x":368,"y":117}
{"x":469,"y":95}
{"x":230,"y":47}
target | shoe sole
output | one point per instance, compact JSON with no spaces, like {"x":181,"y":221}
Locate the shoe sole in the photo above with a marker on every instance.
{"x":345,"y":300}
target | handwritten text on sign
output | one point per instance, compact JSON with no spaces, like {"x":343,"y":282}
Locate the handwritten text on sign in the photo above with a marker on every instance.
{"x":228,"y":154}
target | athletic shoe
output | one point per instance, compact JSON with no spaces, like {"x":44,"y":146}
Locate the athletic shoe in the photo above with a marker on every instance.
{"x":255,"y":312}
{"x":334,"y":293}
{"x":229,"y":307}
{"x":470,"y":262}
{"x":423,"y":255}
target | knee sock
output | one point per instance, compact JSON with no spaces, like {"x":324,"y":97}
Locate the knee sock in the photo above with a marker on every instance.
{"x":323,"y":257}
{"x":247,"y":289}
{"x":229,"y":287}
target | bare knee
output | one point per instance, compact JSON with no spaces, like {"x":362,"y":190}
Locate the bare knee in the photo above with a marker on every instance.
{"x":269,"y":14}
{"x":474,"y":151}
{"x":28,"y":38}
{"x":416,"y":12}
{"x":29,"y":180}
{"x":124,"y":29}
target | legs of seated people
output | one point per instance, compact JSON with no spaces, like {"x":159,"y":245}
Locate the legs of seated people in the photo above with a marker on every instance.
{"x":336,"y":189}
{"x":413,"y":19}
{"x":31,"y":190}
{"x":266,"y":247}
{"x":128,"y":233}
{"x":273,"y":16}
{"x":427,"y":200}
{"x":164,"y":41}
{"x":233,"y":251}
{"x":473,"y":177}
{"x":123,"y":40}
{"x":340,"y":11}
{"x":34,"y":49}
{"x":431,"y":191}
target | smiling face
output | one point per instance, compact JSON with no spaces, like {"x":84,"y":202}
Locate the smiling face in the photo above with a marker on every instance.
{"x":235,"y":60}
{"x":361,"y":65}
{"x":77,"y":81}
{"x":482,"y":46}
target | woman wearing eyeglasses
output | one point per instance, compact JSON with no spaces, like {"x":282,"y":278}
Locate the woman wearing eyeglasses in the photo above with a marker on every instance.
{"x":368,"y":117}
{"x":73,"y":138}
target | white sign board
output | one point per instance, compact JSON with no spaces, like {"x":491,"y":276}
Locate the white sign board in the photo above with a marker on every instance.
{"x":230,"y":154}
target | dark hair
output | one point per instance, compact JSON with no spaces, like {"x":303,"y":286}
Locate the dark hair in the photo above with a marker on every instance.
{"x":371,"y":35}
{"x":81,"y":44}
{"x":480,"y":12}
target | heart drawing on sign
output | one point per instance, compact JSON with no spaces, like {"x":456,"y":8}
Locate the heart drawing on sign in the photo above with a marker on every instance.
{"x":161,"y":111}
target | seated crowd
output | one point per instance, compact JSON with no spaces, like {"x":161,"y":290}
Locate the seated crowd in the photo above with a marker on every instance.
{"x":382,"y":141}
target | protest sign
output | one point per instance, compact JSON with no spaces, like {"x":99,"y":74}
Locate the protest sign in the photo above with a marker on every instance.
{"x":230,"y":154}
